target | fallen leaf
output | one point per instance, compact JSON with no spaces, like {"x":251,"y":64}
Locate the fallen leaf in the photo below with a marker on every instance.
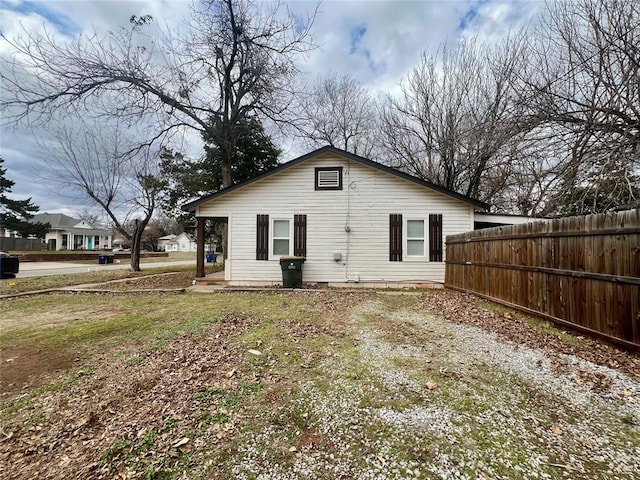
{"x":293,"y":449}
{"x":431,"y":385}
{"x":179,"y":443}
{"x":557,"y":430}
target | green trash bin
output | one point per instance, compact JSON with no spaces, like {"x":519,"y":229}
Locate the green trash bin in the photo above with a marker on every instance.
{"x":291,"y":271}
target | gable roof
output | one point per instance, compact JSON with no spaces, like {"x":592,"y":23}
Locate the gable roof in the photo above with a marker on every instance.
{"x":60,"y":221}
{"x":56,"y":220}
{"x":191,"y":206}
{"x":183,"y":236}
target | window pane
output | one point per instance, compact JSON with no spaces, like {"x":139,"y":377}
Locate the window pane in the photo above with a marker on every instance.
{"x":281,"y":228}
{"x":281,"y":247}
{"x":415,"y":228}
{"x":415,"y":248}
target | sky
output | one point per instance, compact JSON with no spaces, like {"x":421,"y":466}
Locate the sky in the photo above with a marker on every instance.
{"x":378,"y":42}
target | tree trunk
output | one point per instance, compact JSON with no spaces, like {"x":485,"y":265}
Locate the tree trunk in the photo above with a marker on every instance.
{"x":226,"y":171}
{"x":136,"y":244}
{"x":227,"y":180}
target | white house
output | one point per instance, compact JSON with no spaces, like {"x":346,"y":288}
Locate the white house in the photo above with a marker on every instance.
{"x":178,"y":243}
{"x":352,"y":219}
{"x":163,"y":242}
{"x":68,"y":233}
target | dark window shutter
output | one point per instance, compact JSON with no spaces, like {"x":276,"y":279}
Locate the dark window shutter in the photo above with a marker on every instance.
{"x":300,"y":235}
{"x":262,"y":237}
{"x":395,"y":237}
{"x":435,"y":237}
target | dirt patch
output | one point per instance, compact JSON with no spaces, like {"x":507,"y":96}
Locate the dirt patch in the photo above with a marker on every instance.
{"x":150,"y":282}
{"x":29,"y":367}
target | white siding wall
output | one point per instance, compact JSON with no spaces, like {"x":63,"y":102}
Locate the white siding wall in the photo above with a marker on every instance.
{"x":368,"y":197}
{"x":55,"y":235}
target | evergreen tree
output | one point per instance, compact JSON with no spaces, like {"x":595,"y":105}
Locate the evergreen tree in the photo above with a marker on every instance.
{"x":15,"y":214}
{"x":253,"y":154}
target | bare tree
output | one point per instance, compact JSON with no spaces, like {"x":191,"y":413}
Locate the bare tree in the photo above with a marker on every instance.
{"x":100,"y":163}
{"x":93,"y":217}
{"x":584,"y":81}
{"x":456,"y":117}
{"x":337,"y":110}
{"x":236,"y":60}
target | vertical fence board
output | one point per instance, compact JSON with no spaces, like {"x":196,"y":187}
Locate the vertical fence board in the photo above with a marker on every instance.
{"x":580,"y":270}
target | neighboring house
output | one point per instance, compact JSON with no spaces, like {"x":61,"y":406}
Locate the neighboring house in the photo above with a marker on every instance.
{"x":119,"y":242}
{"x":163,"y":243}
{"x":180,"y":243}
{"x":4,"y":233}
{"x":68,"y":233}
{"x":353,"y":220}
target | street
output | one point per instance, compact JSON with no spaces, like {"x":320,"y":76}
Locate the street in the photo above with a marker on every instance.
{"x":41,"y":269}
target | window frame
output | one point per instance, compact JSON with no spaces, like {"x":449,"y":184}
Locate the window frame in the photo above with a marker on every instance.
{"x":406,"y":239}
{"x":272,"y":237}
{"x":327,"y":169}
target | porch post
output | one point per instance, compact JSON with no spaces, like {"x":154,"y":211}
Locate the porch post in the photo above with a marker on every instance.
{"x":200,"y":248}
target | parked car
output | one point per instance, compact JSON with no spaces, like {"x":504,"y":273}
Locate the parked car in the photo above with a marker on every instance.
{"x":9,"y":265}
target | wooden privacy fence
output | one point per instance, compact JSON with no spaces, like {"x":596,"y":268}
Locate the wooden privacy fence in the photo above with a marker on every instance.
{"x":29,"y":244}
{"x":582,"y":272}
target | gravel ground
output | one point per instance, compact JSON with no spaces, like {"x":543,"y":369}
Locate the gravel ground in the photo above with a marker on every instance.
{"x":452,"y":401}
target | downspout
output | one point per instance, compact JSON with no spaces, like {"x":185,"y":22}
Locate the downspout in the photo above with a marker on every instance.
{"x":347,"y":223}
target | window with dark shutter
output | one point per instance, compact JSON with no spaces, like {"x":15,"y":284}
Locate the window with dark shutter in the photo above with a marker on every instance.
{"x":300,"y":235}
{"x":262,"y":237}
{"x":435,"y":237}
{"x":395,"y":237}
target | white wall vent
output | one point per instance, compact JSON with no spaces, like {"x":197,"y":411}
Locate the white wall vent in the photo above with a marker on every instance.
{"x":328,"y":178}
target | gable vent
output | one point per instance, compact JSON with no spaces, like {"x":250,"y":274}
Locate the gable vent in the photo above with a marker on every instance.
{"x":329,"y":178}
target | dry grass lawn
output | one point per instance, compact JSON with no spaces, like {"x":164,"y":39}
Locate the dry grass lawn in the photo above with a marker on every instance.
{"x":299,"y":385}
